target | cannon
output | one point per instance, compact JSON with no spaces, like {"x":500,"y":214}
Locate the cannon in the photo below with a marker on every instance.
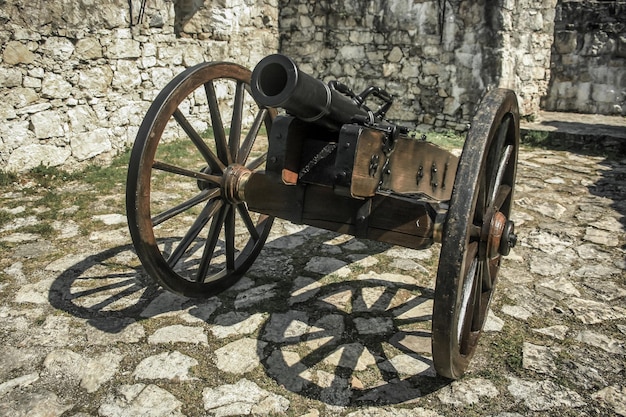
{"x":201,"y":197}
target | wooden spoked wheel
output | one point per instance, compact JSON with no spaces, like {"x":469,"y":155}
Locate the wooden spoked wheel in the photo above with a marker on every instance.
{"x":191,"y":234}
{"x":477,"y":232}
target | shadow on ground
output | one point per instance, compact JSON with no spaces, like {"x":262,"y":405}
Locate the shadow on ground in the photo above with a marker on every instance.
{"x":357,"y":341}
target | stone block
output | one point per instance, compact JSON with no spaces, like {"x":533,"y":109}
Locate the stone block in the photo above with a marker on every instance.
{"x":565,"y":41}
{"x":47,"y":124}
{"x":10,"y":77}
{"x":88,"y":48}
{"x":17,"y":53}
{"x":30,"y":156}
{"x":82,"y":118}
{"x":126,"y":76}
{"x":96,"y":80}
{"x":58,"y":48}
{"x":90,"y":144}
{"x":123,"y":49}
{"x":55,"y":86}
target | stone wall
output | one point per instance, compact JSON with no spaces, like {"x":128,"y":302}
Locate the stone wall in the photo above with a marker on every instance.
{"x":437,"y":57}
{"x":523,"y":56}
{"x":589,"y":58}
{"x":77,"y":76}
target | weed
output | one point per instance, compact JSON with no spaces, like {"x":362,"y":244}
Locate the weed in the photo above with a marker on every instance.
{"x":535,"y":138}
{"x":7,"y":178}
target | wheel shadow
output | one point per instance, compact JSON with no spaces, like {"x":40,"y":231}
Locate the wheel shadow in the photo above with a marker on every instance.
{"x":356,"y":340}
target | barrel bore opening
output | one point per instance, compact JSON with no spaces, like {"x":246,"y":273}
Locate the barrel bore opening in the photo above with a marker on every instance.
{"x":273,"y":79}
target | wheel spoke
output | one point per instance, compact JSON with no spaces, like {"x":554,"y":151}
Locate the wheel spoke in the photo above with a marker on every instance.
{"x":469,"y":278}
{"x":207,"y":212}
{"x":204,"y":195}
{"x":218,"y":127}
{"x":236,"y":121}
{"x":197,"y":140}
{"x":211,"y":243}
{"x":503,"y":192}
{"x":495,"y":157}
{"x":246,"y":147}
{"x":163,"y":166}
{"x":229,"y":236}
{"x":504,"y":163}
{"x":257,"y":162}
{"x":247,"y":220}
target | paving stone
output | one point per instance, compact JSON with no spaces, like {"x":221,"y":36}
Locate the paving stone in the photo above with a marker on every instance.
{"x":39,"y":249}
{"x":375,"y":299}
{"x":141,"y":400}
{"x":19,"y":382}
{"x":408,"y":265}
{"x":406,"y":365}
{"x":374,"y":325}
{"x":467,"y":392}
{"x":493,"y":323}
{"x":36,"y":293}
{"x":558,"y":288}
{"x":112,"y":330}
{"x":339,"y":299}
{"x":242,"y":398}
{"x":179,"y":334}
{"x":167,"y":365}
{"x":328,"y":329}
{"x":601,"y":237}
{"x":110,"y":219}
{"x":417,"y":342}
{"x":396,"y":392}
{"x":362,"y":261}
{"x":517,"y":312}
{"x":389,"y":279}
{"x":541,"y":359}
{"x":543,"y":395}
{"x":605,"y":289}
{"x":66,"y":229}
{"x":326,"y":266}
{"x":240,"y":356}
{"x":406,"y":253}
{"x":286,"y":327}
{"x":20,"y":238}
{"x":336,"y":391}
{"x":603,"y":342}
{"x":16,"y":272}
{"x":558,"y":332}
{"x":236,"y":323}
{"x":614,"y":397}
{"x":353,"y":356}
{"x":40,"y":403}
{"x":593,"y":312}
{"x":66,"y":262}
{"x":285,"y":366}
{"x":255,"y":295}
{"x":89,"y":372}
{"x":304,"y":289}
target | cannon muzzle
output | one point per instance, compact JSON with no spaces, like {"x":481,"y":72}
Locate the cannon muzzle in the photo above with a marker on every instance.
{"x":277,"y":82}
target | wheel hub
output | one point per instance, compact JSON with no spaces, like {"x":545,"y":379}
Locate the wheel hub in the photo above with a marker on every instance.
{"x":233,"y":183}
{"x":498,"y":235}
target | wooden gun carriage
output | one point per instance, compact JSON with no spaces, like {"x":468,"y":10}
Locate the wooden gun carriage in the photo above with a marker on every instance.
{"x":200,"y":215}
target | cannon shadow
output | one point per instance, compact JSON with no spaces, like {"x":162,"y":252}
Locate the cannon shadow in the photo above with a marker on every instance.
{"x":342,"y":341}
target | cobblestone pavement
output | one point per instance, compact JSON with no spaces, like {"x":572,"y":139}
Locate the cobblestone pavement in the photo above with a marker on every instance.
{"x":323,"y":324}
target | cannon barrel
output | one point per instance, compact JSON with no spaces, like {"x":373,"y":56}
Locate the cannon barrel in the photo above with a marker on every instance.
{"x":277,"y":82}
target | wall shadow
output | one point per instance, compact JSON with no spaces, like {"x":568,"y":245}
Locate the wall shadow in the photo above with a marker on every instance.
{"x":344,"y":342}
